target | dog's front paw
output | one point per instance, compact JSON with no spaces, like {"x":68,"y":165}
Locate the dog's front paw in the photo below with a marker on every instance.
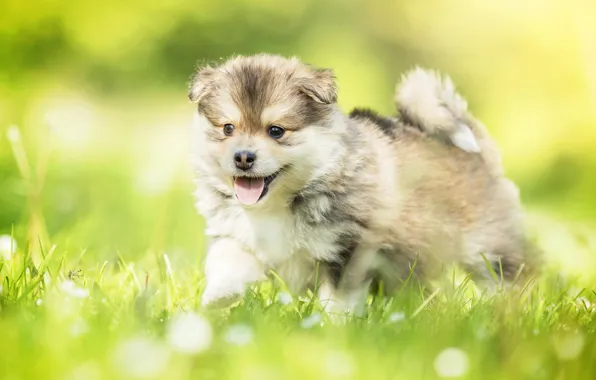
{"x":216,"y":301}
{"x":229,"y":270}
{"x":221,"y":295}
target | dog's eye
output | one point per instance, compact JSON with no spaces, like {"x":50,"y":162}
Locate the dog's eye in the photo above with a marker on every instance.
{"x":275,"y":131}
{"x":228,"y":129}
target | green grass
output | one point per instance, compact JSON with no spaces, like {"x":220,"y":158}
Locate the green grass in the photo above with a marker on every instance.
{"x":112,"y":291}
{"x":83,"y":319}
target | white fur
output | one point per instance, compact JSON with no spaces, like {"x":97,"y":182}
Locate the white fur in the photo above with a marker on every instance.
{"x":228,"y":271}
{"x":433,"y":103}
{"x":273,"y":113}
{"x":464,"y":139}
{"x":229,"y":109}
{"x":269,"y":232}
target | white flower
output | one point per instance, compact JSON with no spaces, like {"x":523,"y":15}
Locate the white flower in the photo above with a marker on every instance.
{"x":339,"y":364}
{"x":451,"y":362}
{"x":38,"y":302}
{"x":569,"y":346}
{"x":8,"y":246}
{"x":311,"y":321}
{"x":141,"y":358}
{"x":239,"y":335}
{"x":397,"y":317}
{"x":284,"y":298}
{"x":189,"y":333}
{"x":72,"y":290}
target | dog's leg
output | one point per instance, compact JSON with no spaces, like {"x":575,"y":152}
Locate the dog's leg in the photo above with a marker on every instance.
{"x":229,"y":269}
{"x":340,"y":302}
{"x":345,"y":291}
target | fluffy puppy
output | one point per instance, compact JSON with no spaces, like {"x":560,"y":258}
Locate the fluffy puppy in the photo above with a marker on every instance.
{"x":288,"y":182}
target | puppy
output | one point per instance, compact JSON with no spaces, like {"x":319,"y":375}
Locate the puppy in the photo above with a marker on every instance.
{"x":288,"y":182}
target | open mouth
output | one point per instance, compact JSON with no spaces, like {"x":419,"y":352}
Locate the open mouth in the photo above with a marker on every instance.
{"x":250,"y":190}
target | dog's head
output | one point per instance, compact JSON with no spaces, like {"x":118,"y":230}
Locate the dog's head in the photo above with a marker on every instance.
{"x":266,"y":124}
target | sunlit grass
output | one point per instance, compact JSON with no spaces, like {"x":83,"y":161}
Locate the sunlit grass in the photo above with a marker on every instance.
{"x":69,"y":318}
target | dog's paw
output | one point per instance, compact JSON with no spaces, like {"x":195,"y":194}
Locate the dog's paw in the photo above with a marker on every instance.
{"x":220,"y":302}
{"x":221,"y":295}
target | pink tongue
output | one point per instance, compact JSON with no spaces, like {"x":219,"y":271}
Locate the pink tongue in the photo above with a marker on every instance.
{"x":248,"y":190}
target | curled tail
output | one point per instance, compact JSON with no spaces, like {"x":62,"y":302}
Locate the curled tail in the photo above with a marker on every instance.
{"x":429,"y":102}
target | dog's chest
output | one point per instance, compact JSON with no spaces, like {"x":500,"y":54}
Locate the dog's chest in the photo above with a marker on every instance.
{"x":272,"y":236}
{"x":277,"y":236}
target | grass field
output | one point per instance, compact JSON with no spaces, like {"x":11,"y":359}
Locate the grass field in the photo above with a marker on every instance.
{"x":114,"y":294}
{"x":115,"y":320}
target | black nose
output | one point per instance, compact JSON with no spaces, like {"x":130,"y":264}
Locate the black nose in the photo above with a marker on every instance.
{"x":244,"y":159}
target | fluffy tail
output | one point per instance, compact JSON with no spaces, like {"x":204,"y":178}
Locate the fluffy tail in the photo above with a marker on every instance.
{"x":428,"y":101}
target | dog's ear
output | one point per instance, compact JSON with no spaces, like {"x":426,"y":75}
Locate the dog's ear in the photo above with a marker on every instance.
{"x":201,"y":83}
{"x":320,"y":86}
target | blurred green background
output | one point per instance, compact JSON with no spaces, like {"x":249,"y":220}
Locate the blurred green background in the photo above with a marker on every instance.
{"x":98,"y":92}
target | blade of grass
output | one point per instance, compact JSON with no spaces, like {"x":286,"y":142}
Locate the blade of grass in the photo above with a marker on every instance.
{"x":490,"y":268}
{"x":407,"y":280}
{"x":101,"y":271}
{"x":426,"y":302}
{"x":29,"y":288}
